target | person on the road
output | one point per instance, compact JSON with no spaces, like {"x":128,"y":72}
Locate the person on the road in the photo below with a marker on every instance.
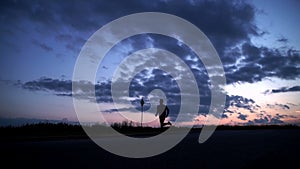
{"x":163,"y":112}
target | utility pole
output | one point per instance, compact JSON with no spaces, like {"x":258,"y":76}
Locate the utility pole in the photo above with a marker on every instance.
{"x":142,"y":105}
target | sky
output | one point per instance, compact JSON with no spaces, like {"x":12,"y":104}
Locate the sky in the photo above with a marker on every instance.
{"x":257,"y":41}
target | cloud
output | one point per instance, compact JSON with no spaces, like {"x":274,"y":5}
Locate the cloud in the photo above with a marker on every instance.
{"x":72,"y":42}
{"x":269,"y":119}
{"x":283,"y":40}
{"x":42,"y":46}
{"x":104,"y":67}
{"x":141,"y":85}
{"x":276,"y":121}
{"x":236,"y":17}
{"x":224,"y":116}
{"x":282,"y":106}
{"x":230,"y":23}
{"x":44,"y":84}
{"x":285,"y":116}
{"x":240,"y":102}
{"x":261,"y":62}
{"x":242,"y":116}
{"x":234,"y":103}
{"x":278,"y":118}
{"x":229,"y":111}
{"x":230,"y":27}
{"x":61,"y":87}
{"x":261,"y":120}
{"x":283,"y":90}
{"x":247,"y":63}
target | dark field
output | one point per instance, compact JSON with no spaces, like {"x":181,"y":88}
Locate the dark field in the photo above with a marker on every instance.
{"x":227,"y":148}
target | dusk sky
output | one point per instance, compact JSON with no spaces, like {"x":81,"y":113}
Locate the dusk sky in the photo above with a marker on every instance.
{"x":258,"y":43}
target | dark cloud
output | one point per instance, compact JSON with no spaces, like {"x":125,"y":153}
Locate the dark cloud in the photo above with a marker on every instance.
{"x":274,"y":106}
{"x":283,"y":106}
{"x":240,"y":102}
{"x":264,"y":120}
{"x":224,"y":116}
{"x":228,"y":24}
{"x":283,"y":90}
{"x":242,"y":116}
{"x":292,"y":104}
{"x":284,"y":40}
{"x":44,"y":84}
{"x":234,"y":18}
{"x":261,"y":120}
{"x":262,"y":62}
{"x":280,"y":116}
{"x":229,"y":111}
{"x":251,"y":52}
{"x":71,"y":42}
{"x":269,"y":119}
{"x":161,"y":80}
{"x":116,"y":110}
{"x":42,"y":46}
{"x":104,"y":67}
{"x":60,"y":87}
{"x":276,"y":121}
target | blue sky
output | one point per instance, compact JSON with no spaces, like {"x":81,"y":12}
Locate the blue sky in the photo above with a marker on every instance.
{"x":257,"y":41}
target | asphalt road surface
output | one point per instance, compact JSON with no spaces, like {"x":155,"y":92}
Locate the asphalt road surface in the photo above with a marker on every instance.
{"x":225,"y":149}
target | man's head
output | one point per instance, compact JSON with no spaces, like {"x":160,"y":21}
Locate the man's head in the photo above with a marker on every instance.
{"x":161,"y":101}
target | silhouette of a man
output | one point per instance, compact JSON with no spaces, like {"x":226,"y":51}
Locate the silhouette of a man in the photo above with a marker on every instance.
{"x":163,"y":112}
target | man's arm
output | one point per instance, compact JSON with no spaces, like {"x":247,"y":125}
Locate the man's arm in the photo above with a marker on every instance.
{"x":167,"y":111}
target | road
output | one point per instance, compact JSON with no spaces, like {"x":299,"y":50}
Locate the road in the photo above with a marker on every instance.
{"x":225,"y":149}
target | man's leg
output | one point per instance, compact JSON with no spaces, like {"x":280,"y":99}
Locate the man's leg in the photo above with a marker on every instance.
{"x":161,"y":120}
